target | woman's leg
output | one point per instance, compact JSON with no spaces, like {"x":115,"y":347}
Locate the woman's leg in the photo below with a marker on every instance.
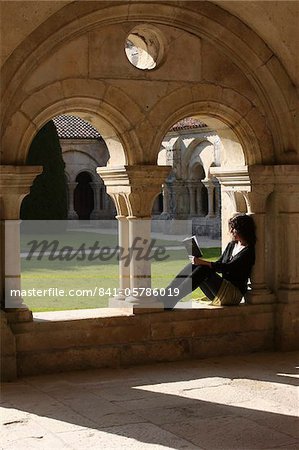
{"x":211,"y":285}
{"x":186,"y":281}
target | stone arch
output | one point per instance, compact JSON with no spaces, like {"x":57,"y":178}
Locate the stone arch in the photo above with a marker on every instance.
{"x":220,"y":112}
{"x":89,"y":172}
{"x":189,"y":157}
{"x":196,"y":171}
{"x":205,"y":20}
{"x":85,"y":153}
{"x":40,"y":107}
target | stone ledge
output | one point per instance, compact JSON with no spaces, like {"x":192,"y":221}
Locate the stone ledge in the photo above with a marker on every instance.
{"x":45,"y":346}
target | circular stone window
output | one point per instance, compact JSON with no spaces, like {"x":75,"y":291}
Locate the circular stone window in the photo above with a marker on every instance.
{"x":144,"y":47}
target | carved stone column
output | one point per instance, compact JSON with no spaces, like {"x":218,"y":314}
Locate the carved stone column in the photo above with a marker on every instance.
{"x":96,"y":213}
{"x":217,"y":200}
{"x":260,"y":292}
{"x":210,"y":188}
{"x":15,"y":182}
{"x":287,"y":251}
{"x":137,"y":186}
{"x":123,"y":242}
{"x":199,"y":204}
{"x":249,"y":188}
{"x":191,"y":189}
{"x":72,"y":215}
{"x":165,"y":198}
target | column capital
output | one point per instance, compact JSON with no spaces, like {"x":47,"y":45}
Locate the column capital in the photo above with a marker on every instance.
{"x":255,"y":183}
{"x":15,"y":182}
{"x":134,"y":188}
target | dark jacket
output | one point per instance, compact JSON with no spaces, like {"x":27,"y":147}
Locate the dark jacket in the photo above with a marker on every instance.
{"x":237,"y":269}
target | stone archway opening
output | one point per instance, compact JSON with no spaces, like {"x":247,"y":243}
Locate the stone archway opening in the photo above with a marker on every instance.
{"x":83,"y":196}
{"x":88,"y":199}
{"x":193,"y":146}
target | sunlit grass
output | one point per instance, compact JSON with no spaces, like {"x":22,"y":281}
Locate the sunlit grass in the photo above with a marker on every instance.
{"x":91,"y":275}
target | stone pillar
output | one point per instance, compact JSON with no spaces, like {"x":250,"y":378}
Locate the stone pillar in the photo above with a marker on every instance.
{"x":199,"y":205}
{"x":15,"y":182}
{"x":254,"y":184}
{"x":256,"y":200}
{"x":137,"y":186}
{"x":165,"y":199}
{"x":191,"y":189}
{"x":72,"y":215}
{"x":96,"y":213}
{"x":217,"y":200}
{"x":124,"y":267}
{"x":140,"y":267}
{"x":287,"y":251}
{"x":210,"y":188}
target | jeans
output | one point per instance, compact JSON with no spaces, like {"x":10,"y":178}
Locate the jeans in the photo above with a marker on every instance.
{"x":189,"y":279}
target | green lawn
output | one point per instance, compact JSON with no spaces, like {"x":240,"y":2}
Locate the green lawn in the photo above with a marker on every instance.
{"x":91,"y":275}
{"x":77,"y":238}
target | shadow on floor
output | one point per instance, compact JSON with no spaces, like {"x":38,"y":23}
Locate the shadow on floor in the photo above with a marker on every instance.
{"x":247,"y":402}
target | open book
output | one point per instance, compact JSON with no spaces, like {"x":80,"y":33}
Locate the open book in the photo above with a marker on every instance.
{"x":192,"y":246}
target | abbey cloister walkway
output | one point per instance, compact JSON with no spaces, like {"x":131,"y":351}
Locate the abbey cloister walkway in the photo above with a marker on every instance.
{"x":245,"y":402}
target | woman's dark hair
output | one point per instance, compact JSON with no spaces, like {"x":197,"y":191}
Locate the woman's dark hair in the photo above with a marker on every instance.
{"x":244,"y":226}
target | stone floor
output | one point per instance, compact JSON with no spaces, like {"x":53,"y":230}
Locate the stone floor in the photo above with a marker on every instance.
{"x":246,"y":402}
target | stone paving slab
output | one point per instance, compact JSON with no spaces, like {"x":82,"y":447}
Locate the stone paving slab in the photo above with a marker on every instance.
{"x":248,"y":402}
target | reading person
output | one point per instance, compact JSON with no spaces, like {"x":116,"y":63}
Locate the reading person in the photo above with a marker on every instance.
{"x":235,"y":265}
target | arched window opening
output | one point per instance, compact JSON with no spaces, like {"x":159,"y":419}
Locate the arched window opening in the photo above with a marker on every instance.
{"x":84,"y":149}
{"x":83,"y":196}
{"x":192,"y":147}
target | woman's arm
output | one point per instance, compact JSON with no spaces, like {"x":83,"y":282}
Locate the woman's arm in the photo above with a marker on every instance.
{"x":203,"y":262}
{"x":244,"y":260}
{"x":200,"y":262}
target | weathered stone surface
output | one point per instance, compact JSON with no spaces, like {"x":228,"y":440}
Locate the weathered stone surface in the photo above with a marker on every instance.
{"x":8,"y":351}
{"x":232,"y":65}
{"x":238,"y":402}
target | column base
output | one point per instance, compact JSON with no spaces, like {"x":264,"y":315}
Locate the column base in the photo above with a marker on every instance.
{"x":288,"y":295}
{"x":96,"y":215}
{"x":259,"y":297}
{"x":136,"y":305}
{"x":72,"y":215}
{"x":143,"y":305}
{"x":16,"y":315}
{"x":287,"y":326}
{"x":120,"y":303}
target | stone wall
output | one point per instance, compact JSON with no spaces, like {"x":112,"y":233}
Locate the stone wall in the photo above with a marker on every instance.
{"x":51,"y":346}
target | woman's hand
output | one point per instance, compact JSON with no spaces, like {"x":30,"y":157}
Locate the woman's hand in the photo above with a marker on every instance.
{"x":200,"y":262}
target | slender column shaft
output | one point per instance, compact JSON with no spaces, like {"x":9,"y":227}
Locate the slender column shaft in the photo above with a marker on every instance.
{"x":124,"y":266}
{"x":71,"y":211}
{"x":192,"y":200}
{"x":211,"y":201}
{"x":165,"y":199}
{"x":140,"y":265}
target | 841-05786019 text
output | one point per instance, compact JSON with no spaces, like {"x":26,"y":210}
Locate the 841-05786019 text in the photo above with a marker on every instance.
{"x":95,"y":292}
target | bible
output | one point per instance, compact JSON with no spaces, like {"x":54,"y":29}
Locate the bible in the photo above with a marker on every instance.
{"x":192,"y":246}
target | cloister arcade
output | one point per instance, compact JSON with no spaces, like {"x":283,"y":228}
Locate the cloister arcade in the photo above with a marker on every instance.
{"x":209,"y":65}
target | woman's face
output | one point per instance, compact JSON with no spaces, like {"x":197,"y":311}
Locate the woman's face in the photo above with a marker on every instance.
{"x":234,"y":234}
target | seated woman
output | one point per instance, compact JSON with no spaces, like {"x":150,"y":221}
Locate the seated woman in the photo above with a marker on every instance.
{"x":235,"y":265}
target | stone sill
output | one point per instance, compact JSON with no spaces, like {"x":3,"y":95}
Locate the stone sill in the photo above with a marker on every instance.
{"x":197,"y":311}
{"x":79,"y":314}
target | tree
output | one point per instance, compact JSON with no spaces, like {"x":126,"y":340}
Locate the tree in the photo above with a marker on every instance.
{"x":48,"y":194}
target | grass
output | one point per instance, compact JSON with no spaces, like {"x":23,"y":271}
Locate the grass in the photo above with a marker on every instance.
{"x":77,"y":238}
{"x":90,"y":275}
